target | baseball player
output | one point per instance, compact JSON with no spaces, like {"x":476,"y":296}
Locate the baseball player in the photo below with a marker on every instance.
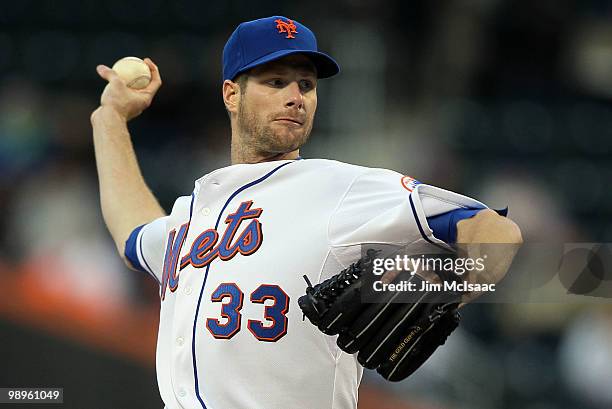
{"x":230,"y":256}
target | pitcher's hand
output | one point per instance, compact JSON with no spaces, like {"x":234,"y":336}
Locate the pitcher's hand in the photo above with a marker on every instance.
{"x":127,"y":102}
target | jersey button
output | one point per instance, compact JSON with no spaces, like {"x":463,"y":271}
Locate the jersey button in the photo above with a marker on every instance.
{"x":206,"y":211}
{"x":182,"y":393}
{"x":180,"y":341}
{"x":188,"y":290}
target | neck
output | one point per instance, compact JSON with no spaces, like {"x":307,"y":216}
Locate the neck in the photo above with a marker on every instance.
{"x":242,"y":154}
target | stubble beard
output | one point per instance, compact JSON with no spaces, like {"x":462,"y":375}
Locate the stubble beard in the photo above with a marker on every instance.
{"x":262,"y":139}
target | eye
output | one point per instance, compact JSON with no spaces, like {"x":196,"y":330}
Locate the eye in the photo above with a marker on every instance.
{"x":306,"y":85}
{"x":276,"y":82}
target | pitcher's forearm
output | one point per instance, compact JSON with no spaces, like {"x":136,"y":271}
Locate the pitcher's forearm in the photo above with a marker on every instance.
{"x":125,"y":198}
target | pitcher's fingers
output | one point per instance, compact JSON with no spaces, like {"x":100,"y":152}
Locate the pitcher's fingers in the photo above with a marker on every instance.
{"x":156,"y":81}
{"x":106,"y":73}
{"x":389,"y":276}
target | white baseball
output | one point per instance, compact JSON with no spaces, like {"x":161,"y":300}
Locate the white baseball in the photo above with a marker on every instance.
{"x":134,"y":71}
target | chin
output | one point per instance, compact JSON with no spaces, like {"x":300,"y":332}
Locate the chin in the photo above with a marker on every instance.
{"x":289,"y":140}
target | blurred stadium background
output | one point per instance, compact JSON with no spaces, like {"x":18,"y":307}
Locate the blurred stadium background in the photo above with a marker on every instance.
{"x":507,"y":101}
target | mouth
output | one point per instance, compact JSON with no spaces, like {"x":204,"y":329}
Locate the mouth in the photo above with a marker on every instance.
{"x":290,"y":121}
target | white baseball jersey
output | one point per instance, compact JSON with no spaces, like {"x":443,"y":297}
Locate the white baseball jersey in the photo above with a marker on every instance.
{"x":230,"y":259}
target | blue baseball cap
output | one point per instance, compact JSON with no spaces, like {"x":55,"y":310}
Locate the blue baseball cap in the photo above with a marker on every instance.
{"x":267,"y":39}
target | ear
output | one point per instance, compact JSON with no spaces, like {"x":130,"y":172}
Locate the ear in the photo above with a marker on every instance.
{"x":231,"y":95}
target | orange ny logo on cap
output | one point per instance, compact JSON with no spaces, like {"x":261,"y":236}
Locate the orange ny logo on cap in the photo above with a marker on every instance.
{"x":286,"y":27}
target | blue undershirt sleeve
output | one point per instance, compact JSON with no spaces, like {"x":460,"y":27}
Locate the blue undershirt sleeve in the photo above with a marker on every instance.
{"x":130,"y":249}
{"x":444,"y":225}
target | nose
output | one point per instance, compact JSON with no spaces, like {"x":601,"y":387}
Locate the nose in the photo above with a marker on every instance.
{"x":295,"y":98}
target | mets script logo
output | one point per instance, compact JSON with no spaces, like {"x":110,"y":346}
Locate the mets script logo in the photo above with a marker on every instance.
{"x":286,"y":27}
{"x":205,"y":248}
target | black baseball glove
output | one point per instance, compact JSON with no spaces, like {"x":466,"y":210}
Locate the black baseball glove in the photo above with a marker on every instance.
{"x":396,"y":333}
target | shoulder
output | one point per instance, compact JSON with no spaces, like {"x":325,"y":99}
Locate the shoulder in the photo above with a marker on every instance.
{"x":182,"y":207}
{"x":343,"y":168}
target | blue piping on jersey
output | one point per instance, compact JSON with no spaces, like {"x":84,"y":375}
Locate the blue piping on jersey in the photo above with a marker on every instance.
{"x":416,"y":218}
{"x":193,"y":349}
{"x":149,"y":269}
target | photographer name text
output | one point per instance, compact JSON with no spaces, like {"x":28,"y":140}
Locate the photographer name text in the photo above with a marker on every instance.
{"x":455,"y":286}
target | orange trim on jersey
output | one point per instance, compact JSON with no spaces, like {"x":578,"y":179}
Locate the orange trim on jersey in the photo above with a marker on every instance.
{"x":173,"y":280}
{"x":202,"y":248}
{"x":225,"y":244}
